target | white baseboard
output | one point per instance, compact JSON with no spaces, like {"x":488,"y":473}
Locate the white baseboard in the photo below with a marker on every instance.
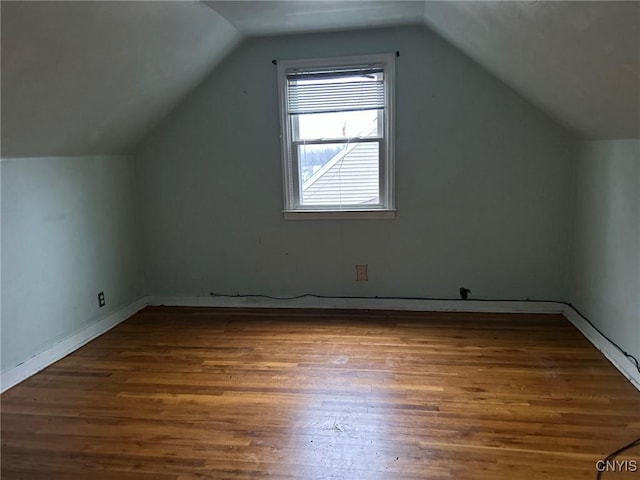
{"x":615,"y":356}
{"x":54,"y":353}
{"x":488,"y":306}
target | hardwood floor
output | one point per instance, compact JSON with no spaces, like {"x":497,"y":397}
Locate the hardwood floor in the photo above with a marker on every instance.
{"x":178,"y":393}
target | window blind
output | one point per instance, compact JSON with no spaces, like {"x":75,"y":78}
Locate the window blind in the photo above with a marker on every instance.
{"x":339,"y":90}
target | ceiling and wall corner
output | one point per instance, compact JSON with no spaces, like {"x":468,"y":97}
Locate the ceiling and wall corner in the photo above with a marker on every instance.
{"x":87,"y":78}
{"x":255,"y":18}
{"x":578,"y":61}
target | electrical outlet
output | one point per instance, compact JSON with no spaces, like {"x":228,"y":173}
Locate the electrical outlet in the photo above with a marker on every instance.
{"x":101,"y":300}
{"x":361,"y":273}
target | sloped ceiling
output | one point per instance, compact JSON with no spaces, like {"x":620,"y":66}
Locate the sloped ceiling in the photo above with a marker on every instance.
{"x":81,"y":78}
{"x":579,"y":61}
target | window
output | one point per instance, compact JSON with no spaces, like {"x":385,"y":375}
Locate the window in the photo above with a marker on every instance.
{"x":337,"y":137}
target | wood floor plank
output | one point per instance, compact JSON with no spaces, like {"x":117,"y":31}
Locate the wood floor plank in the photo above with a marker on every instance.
{"x":185,"y":394}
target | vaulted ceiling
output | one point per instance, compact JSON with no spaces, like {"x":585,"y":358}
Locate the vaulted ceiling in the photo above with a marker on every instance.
{"x":82,"y":78}
{"x":579,"y":61}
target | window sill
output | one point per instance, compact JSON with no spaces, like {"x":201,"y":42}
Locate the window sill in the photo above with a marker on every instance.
{"x":339,"y":214}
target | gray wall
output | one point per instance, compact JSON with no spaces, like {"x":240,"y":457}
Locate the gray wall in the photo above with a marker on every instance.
{"x":482,"y":181}
{"x":605,"y":248}
{"x":69,"y":230}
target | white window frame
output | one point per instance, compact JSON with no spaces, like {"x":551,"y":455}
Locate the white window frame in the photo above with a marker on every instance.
{"x":292,"y":208}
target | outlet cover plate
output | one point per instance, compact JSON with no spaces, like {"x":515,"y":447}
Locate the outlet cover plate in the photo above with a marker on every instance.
{"x":361,"y":273}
